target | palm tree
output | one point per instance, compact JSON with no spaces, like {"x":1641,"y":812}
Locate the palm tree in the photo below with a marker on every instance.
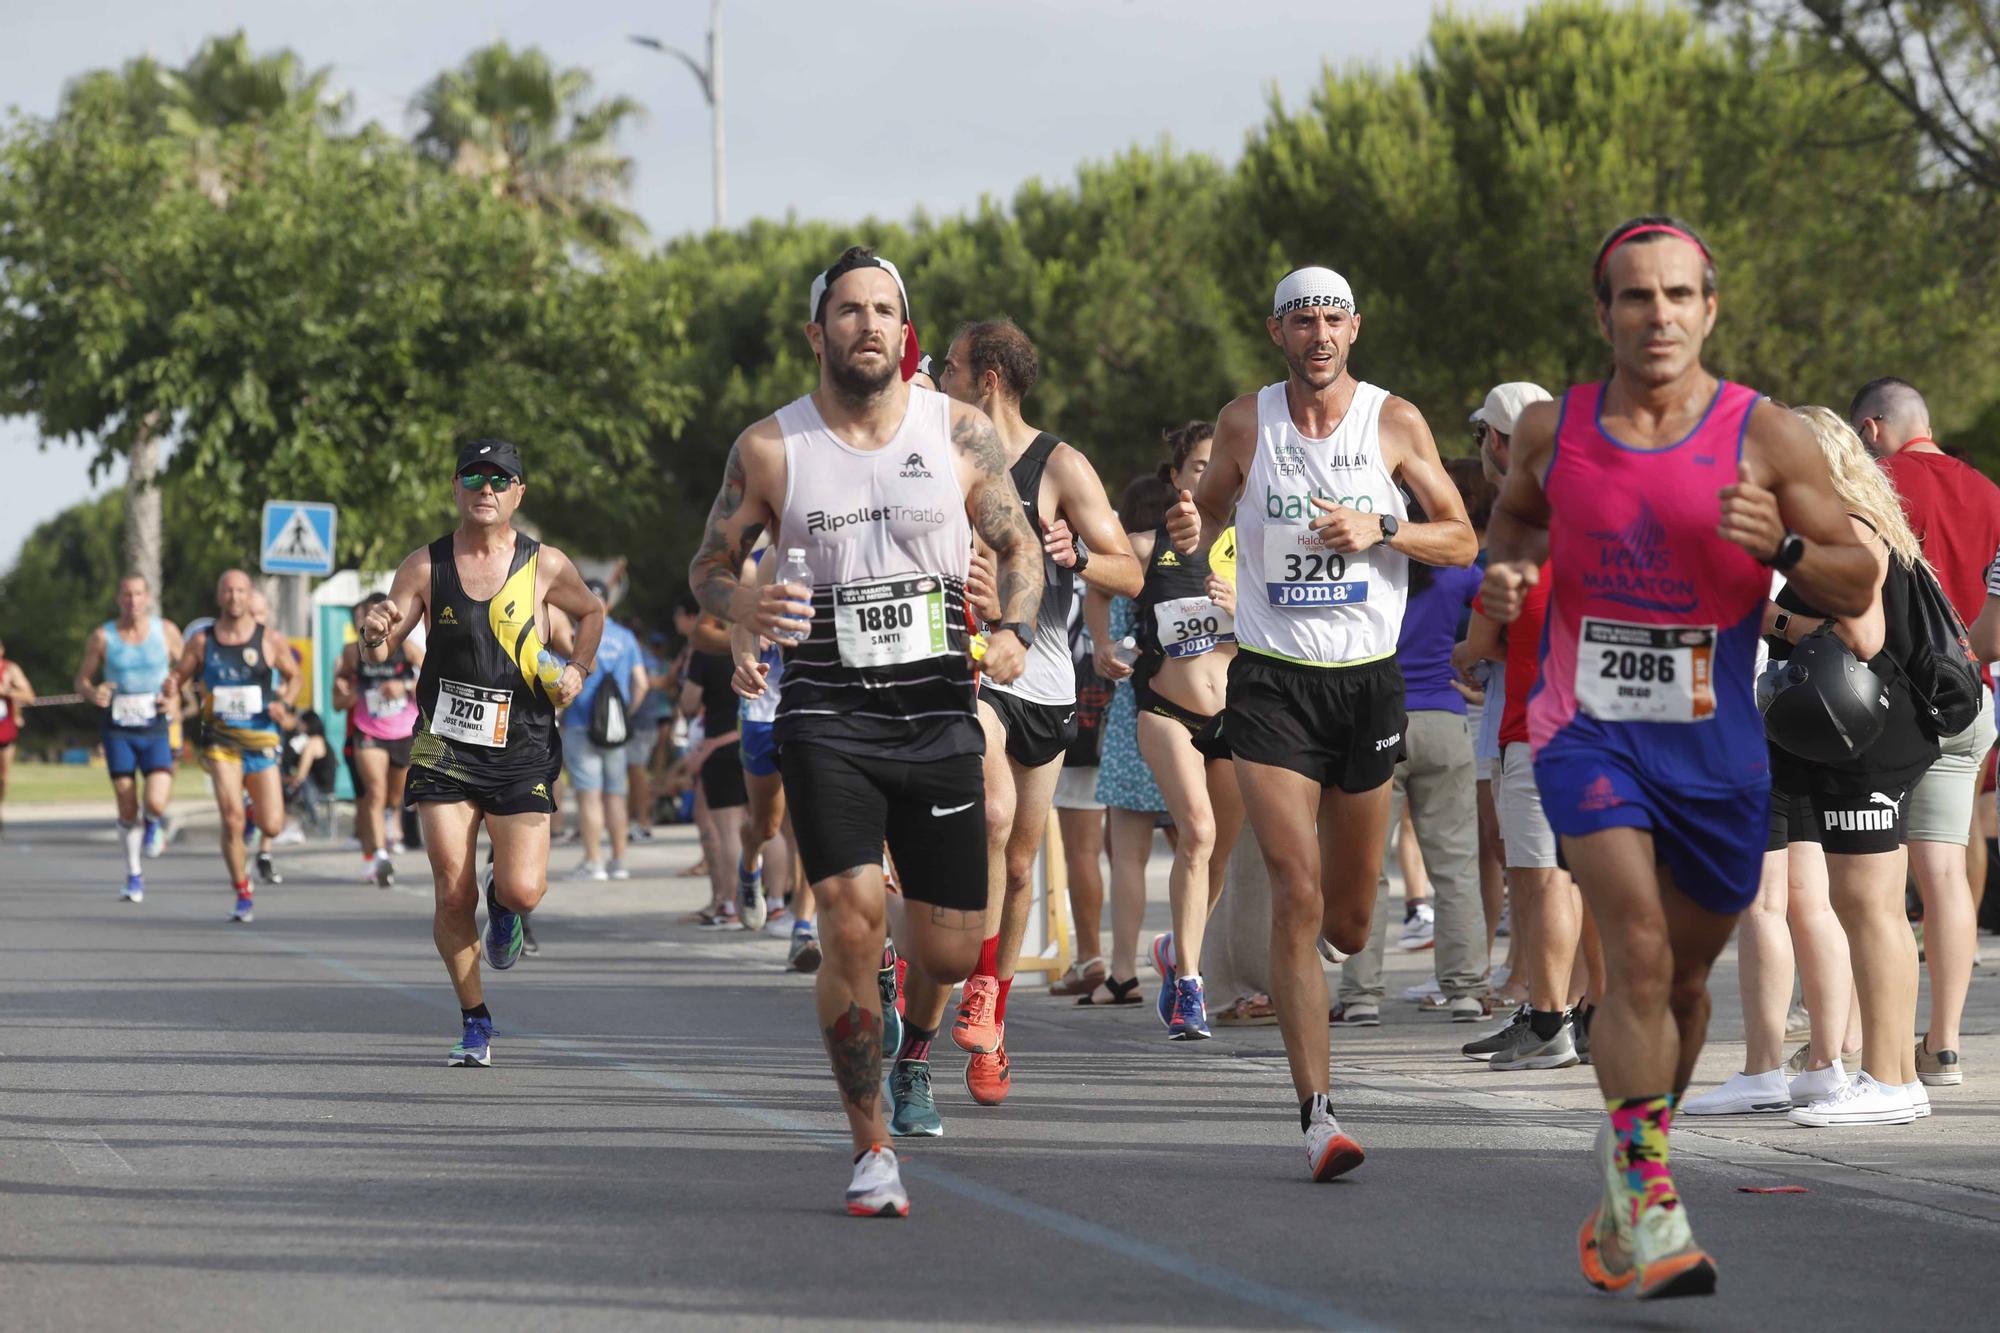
{"x":532,"y":133}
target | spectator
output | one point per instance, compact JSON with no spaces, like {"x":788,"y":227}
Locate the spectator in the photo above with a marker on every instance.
{"x":597,"y":772}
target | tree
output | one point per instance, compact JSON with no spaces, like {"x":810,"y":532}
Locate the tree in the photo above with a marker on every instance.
{"x":531,"y":133}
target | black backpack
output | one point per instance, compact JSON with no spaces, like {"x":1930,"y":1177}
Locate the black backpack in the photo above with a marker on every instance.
{"x":608,"y":727}
{"x":1942,"y":671}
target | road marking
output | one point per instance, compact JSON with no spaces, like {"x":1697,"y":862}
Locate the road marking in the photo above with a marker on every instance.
{"x":89,"y":1154}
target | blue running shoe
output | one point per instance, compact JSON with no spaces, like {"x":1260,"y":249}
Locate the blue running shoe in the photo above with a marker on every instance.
{"x":243,"y":915}
{"x":892,"y":1022}
{"x":1190,"y":1013}
{"x":1163,"y":963}
{"x":156,"y":838}
{"x":915,"y":1114}
{"x":475,"y":1048}
{"x":135,"y":889}
{"x":504,"y":937}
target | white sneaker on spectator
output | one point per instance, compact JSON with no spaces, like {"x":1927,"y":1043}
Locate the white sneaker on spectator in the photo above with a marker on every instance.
{"x":1422,"y":991}
{"x":616,"y":869}
{"x":291,"y":836}
{"x":1920,"y":1100}
{"x":1743,"y":1094}
{"x":1860,"y":1101}
{"x":589,"y":870}
{"x":1817,"y":1084}
{"x":1420,"y":929}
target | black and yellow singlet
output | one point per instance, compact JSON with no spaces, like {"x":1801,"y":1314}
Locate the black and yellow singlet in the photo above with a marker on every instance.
{"x":484,"y":715}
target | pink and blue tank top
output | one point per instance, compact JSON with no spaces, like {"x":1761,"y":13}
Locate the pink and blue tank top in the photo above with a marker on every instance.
{"x":1650,"y":647}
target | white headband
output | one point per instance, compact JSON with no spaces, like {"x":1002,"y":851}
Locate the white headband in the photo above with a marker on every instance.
{"x":1306,"y":288}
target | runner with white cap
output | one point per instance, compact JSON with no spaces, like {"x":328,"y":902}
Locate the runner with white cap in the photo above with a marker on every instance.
{"x":1315,"y":706}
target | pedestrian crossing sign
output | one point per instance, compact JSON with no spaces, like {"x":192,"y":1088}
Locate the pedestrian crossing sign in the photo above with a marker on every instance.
{"x":298,"y":537}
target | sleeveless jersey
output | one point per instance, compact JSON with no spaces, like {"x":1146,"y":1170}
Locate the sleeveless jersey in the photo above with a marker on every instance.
{"x":374,"y":714}
{"x":883,"y":670}
{"x":482,"y":713}
{"x":236,"y":684}
{"x":1176,"y":617}
{"x":1049,"y":677}
{"x":9,"y":724}
{"x":1297,"y":599}
{"x":1650,"y":645}
{"x":135,"y":672}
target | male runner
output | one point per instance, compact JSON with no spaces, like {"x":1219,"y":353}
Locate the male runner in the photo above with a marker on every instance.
{"x":235,"y":660}
{"x":379,"y":699}
{"x":134,"y":652}
{"x":1315,"y":711}
{"x":1029,"y":722}
{"x":486,"y":746}
{"x":883,"y":487}
{"x":15,"y":694}
{"x":1660,"y":501}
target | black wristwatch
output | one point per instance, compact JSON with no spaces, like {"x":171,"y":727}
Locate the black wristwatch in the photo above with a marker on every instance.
{"x":1023,"y":631}
{"x":1780,"y":621}
{"x":1791,"y":549}
{"x":1390,"y":527}
{"x":1082,"y":555}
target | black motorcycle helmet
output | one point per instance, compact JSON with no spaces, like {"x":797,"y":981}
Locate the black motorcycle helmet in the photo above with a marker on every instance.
{"x":1822,"y":704}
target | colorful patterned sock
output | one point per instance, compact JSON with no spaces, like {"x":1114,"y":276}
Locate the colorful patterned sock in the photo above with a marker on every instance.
{"x":1641,"y":1124}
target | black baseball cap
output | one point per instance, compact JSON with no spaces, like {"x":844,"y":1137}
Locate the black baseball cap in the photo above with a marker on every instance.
{"x":493,"y":453}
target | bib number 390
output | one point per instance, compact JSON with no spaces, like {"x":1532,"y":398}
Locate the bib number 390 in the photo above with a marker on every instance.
{"x":1646,"y":673}
{"x":1300,"y":572}
{"x":887,"y":622}
{"x":1191,"y":626}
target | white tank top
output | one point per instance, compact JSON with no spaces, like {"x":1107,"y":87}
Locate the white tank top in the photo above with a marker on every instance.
{"x":1297,"y":599}
{"x":884,"y":531}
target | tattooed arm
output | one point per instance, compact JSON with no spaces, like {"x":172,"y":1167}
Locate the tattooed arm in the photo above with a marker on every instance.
{"x":753,"y":486}
{"x":994,"y":507}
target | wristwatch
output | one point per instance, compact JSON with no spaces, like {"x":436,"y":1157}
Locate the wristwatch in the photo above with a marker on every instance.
{"x":1082,"y":555}
{"x":1791,"y":549}
{"x":1390,"y":527}
{"x":1022,"y":630}
{"x":1779,"y":621}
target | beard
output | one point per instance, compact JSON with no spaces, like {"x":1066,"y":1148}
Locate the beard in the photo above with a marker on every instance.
{"x":1308,"y":373}
{"x":854,"y":382}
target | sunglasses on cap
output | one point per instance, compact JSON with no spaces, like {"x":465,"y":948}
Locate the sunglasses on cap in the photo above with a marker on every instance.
{"x":478,"y":481}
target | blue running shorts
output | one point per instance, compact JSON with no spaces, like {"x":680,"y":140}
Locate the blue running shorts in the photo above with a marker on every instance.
{"x":129,"y":752}
{"x":760,"y":751}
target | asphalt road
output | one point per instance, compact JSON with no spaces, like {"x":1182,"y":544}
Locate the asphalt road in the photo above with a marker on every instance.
{"x":211,"y":1127}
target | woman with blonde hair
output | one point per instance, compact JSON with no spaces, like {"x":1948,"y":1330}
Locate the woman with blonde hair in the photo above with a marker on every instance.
{"x":1852,"y":809}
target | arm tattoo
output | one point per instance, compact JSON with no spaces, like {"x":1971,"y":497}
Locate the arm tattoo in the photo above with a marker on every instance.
{"x":854,"y":1045}
{"x":714,"y":573}
{"x":1001,"y":522}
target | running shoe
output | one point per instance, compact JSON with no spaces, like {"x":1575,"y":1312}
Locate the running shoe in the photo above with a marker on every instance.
{"x":1469,"y":1008}
{"x":475,"y":1047}
{"x":242,"y":915}
{"x":717,"y":918}
{"x":1798,"y":1023}
{"x":1814,"y":1085}
{"x":1190,"y":1014}
{"x":156,"y":837}
{"x":1355,"y":1016}
{"x":615,"y":869}
{"x":135,"y":889}
{"x":1528,"y":1051}
{"x":1669,"y":1262}
{"x":291,"y":835}
{"x":385,"y":872}
{"x":805,"y":956}
{"x":590,"y":870}
{"x":1328,"y":952}
{"x":1162,"y":954}
{"x":1499,"y":1038}
{"x":877,"y":1187}
{"x":751,"y":909}
{"x":504,"y":936}
{"x":1743,"y":1094}
{"x":778,"y":923}
{"x":529,"y":949}
{"x":1859,"y":1101}
{"x":976,"y":1029}
{"x":642,"y":833}
{"x":1329,"y":1152}
{"x":886,"y":982}
{"x":267,"y":870}
{"x":1423,"y":990}
{"x":1940,"y":1070}
{"x":1604,"y":1245}
{"x":1579,"y":1031}
{"x":1920,"y":1100}
{"x":1419,"y":930}
{"x":913,"y":1112}
{"x":988,"y":1077}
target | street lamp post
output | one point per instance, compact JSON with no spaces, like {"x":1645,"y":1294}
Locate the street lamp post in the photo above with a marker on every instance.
{"x":710,"y":77}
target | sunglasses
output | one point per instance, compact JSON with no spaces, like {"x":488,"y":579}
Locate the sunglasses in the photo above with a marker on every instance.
{"x":476,"y":481}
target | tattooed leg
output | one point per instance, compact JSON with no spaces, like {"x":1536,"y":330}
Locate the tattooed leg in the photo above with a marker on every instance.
{"x":849,"y":998}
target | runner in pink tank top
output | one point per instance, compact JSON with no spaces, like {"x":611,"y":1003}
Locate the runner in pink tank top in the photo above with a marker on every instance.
{"x":1659,"y":498}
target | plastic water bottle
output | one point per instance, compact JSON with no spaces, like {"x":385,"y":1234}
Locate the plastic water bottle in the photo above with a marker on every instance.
{"x":548,"y":670}
{"x":1127,"y":650}
{"x":795,"y":570}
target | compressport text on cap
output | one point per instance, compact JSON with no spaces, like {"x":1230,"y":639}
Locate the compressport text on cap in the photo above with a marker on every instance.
{"x":1306,"y":288}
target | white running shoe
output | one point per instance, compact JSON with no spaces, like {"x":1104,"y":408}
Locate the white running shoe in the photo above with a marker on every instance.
{"x":1420,"y":931}
{"x":617,"y":870}
{"x":1815,"y":1085}
{"x":1328,"y":952}
{"x":1861,"y":1101}
{"x":877,"y":1187}
{"x":1329,"y":1152}
{"x":778,"y":925}
{"x":1920,"y":1100}
{"x":589,"y":870}
{"x":1743,"y":1094}
{"x":1422,"y":991}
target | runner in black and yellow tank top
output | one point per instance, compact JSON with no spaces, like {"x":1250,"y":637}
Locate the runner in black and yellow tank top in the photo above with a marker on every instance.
{"x":486,"y":746}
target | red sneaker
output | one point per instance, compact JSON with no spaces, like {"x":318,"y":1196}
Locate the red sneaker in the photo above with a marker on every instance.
{"x":987,"y":1077}
{"x":977,"y":1029}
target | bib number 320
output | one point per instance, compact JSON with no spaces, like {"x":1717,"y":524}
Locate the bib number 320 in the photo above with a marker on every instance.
{"x":1300,"y":572}
{"x":1646,"y":673}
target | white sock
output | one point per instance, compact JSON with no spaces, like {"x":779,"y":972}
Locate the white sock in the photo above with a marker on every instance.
{"x":134,"y":838}
{"x":381,"y":853}
{"x":1195,"y":977}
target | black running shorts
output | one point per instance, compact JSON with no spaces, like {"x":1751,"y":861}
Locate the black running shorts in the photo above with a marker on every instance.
{"x":1340,"y":726}
{"x":931,"y":814}
{"x":722,"y":778}
{"x":399,"y":750}
{"x":1037,"y":734}
{"x":1853,"y":824}
{"x":494,"y":796}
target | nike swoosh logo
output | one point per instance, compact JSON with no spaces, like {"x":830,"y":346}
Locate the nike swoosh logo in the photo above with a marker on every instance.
{"x":940,"y":814}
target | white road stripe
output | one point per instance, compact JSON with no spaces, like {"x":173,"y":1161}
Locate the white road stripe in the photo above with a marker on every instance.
{"x":88,"y":1153}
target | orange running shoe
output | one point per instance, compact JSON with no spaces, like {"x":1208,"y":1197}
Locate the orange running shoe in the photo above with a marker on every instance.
{"x":987,"y":1077}
{"x":976,"y":1028}
{"x":1604,"y":1245}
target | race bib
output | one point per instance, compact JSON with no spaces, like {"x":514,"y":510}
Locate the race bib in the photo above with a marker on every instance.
{"x":1299,"y":572}
{"x":1191,"y":626}
{"x":887,"y":622}
{"x":472,"y":715}
{"x":380,"y":705}
{"x":237,"y":703}
{"x":134,"y":710}
{"x":1645,"y":673}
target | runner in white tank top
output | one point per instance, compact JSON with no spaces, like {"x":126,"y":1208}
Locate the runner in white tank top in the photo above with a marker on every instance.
{"x":883,"y":487}
{"x":1315,"y":709}
{"x":1031,"y":721}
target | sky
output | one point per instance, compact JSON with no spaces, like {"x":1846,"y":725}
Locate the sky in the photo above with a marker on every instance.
{"x":974,"y":97}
